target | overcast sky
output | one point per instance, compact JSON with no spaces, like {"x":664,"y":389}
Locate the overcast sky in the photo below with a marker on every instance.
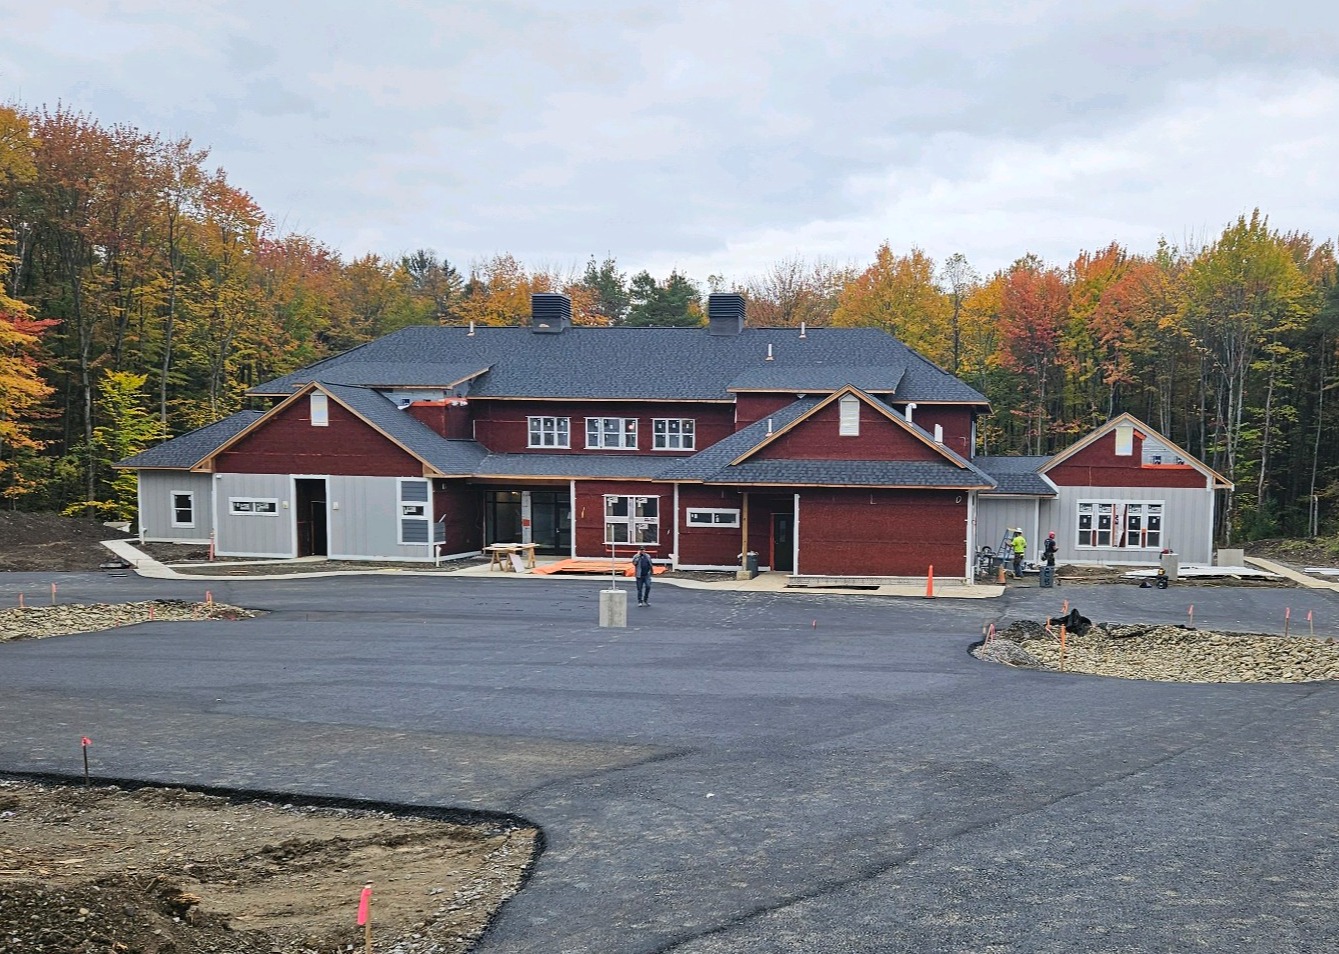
{"x":718,"y":138}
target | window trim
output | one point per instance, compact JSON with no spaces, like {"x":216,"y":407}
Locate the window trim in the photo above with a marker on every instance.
{"x":690,"y":434}
{"x":631,"y":520}
{"x":173,"y":508}
{"x":623,"y":433}
{"x":234,"y":512}
{"x":1120,"y":515}
{"x":531,"y":430}
{"x":714,"y":512}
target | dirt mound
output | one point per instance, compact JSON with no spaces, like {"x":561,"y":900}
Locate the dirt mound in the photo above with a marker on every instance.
{"x":47,"y":541}
{"x":101,"y":870}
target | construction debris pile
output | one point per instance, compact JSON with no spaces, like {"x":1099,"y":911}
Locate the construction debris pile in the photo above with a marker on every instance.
{"x":36,"y":622}
{"x":1164,"y":653}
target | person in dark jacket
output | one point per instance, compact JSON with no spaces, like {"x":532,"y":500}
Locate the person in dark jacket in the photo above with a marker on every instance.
{"x":641,"y":565}
{"x":1048,"y":550}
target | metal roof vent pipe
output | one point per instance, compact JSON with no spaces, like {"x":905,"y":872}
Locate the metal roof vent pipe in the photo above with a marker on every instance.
{"x":471,"y":332}
{"x":803,"y":333}
{"x":911,"y":408}
{"x":725,"y":314}
{"x":769,"y":425}
{"x":769,"y":353}
{"x":550,"y":313}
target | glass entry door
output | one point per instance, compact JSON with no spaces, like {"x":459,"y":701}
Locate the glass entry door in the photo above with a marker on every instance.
{"x":551,"y":521}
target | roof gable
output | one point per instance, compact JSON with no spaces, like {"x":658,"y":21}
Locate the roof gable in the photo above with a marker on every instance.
{"x":884,"y":435}
{"x":1089,"y":447}
{"x":438,"y":456}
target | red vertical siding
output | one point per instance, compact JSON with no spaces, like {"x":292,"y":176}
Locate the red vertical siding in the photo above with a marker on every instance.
{"x":709,"y":546}
{"x":462,"y":507}
{"x":503,"y":426}
{"x":754,"y":407}
{"x":956,"y":422}
{"x":817,"y":438}
{"x":1098,"y":466}
{"x":288,"y":444}
{"x":588,"y":519}
{"x":882,"y":533}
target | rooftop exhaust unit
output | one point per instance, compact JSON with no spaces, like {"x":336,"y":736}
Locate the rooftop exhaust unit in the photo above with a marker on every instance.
{"x":725,"y":314}
{"x":550,"y":313}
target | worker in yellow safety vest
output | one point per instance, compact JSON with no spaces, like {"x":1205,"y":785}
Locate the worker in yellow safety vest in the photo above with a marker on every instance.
{"x":1019,"y":544}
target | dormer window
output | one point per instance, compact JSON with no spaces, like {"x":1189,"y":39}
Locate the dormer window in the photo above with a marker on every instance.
{"x":320,"y":409}
{"x":849,"y":424}
{"x":1124,"y":440}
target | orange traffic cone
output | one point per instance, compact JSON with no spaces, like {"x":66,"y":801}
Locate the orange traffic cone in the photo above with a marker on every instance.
{"x":930,"y":582}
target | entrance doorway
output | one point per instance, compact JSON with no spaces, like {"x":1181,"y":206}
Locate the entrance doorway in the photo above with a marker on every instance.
{"x":311,"y":517}
{"x":551,"y":521}
{"x":783,"y":542}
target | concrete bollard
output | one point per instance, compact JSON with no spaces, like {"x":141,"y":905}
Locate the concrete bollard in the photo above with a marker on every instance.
{"x":1226,"y":557}
{"x":614,"y":608}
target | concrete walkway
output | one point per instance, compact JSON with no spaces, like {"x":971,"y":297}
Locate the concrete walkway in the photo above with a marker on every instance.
{"x":148,"y":567}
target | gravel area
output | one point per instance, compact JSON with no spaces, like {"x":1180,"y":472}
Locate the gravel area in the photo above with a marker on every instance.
{"x":36,"y":622}
{"x":1166,"y":653}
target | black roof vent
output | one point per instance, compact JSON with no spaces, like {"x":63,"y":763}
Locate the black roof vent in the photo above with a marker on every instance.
{"x":550,"y":313}
{"x":725,"y":314}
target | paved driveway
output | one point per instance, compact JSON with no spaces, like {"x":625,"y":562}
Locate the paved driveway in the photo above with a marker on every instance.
{"x":742,"y":772}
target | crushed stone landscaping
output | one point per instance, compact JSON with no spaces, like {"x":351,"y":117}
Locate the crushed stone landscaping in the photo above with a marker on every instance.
{"x":63,"y":619}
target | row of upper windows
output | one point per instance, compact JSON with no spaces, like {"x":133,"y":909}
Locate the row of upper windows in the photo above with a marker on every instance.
{"x":613,"y":433}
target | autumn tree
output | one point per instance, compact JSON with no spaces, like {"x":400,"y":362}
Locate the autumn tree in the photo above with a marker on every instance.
{"x":899,"y":294}
{"x":795,"y":290}
{"x":1034,"y":302}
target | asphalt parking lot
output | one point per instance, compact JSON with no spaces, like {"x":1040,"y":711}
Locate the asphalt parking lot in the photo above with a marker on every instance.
{"x":742,"y":772}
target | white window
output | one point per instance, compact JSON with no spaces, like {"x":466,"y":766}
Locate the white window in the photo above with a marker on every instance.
{"x":1115,"y":524}
{"x":849,"y":425}
{"x":320,"y":410}
{"x":413,"y":513}
{"x":673,"y":434}
{"x":183,"y":508}
{"x":631,"y":519}
{"x":550,"y":432}
{"x":613,"y":433}
{"x":253,"y":506}
{"x":712,"y":518}
{"x":1124,"y":440}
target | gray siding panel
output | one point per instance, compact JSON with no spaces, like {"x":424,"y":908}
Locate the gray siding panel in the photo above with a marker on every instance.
{"x":155,"y":495}
{"x":261,"y":535}
{"x":367,"y":521}
{"x":995,"y":514}
{"x":1187,"y":523}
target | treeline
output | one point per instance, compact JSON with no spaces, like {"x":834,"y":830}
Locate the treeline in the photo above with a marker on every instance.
{"x":142,"y":293}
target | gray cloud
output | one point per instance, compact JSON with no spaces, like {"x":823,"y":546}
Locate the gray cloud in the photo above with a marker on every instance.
{"x":715,"y":135}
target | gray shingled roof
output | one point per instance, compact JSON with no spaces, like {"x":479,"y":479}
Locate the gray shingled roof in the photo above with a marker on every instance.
{"x":386,"y":374}
{"x":453,"y":458}
{"x":818,"y":378}
{"x":1017,"y":475}
{"x":854,"y":473}
{"x":569,"y":465}
{"x":630,"y":363}
{"x":187,"y":450}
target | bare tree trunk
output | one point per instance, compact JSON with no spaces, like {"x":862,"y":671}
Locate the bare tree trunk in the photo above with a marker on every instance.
{"x":1265,"y":436}
{"x":1313,"y":522}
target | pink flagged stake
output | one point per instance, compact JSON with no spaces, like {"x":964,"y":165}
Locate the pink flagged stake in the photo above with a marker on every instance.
{"x":1310,"y":624}
{"x":1287,"y":619}
{"x":84,"y":743}
{"x":365,"y":915}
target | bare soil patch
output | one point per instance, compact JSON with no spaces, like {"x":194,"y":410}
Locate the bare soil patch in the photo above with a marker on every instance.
{"x":48,"y":541}
{"x":106,"y":870}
